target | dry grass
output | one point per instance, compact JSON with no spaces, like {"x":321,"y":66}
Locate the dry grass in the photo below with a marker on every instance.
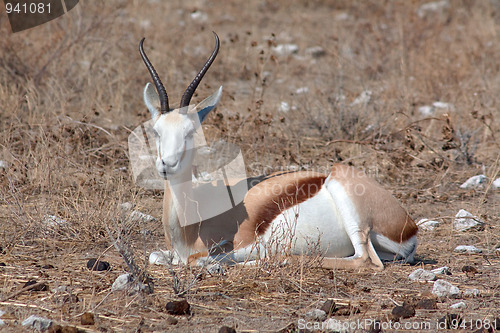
{"x":71,"y":91}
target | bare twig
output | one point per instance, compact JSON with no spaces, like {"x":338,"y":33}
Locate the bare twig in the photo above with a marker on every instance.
{"x":139,"y":275}
{"x":358,"y":142}
{"x":22,"y":290}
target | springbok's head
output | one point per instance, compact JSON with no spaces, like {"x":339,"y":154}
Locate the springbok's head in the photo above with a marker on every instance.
{"x":174,"y":128}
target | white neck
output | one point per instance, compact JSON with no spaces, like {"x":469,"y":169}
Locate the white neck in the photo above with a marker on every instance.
{"x":178,"y":192}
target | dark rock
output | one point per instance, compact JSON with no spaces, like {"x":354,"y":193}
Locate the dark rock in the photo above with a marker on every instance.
{"x":55,"y":329}
{"x":97,"y":265}
{"x":426,"y":304}
{"x":47,"y":266}
{"x":40,"y":287}
{"x":87,"y":319}
{"x":227,"y":329}
{"x":328,"y":307}
{"x":178,"y":307}
{"x":405,"y":311}
{"x":470,"y":271}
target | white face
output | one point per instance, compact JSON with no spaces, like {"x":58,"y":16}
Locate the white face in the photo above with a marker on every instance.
{"x":174,"y":142}
{"x":174,"y":132}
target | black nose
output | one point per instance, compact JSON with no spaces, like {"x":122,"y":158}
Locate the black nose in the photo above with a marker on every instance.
{"x":168,"y":164}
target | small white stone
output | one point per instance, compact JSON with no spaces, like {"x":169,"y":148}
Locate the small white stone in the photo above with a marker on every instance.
{"x":471,"y":292}
{"x":137,"y":216}
{"x":125,"y":282}
{"x":496,"y":183}
{"x":368,"y":128}
{"x":37,"y":323}
{"x":59,"y":289}
{"x":443,"y":105}
{"x":465,"y":221}
{"x":342,"y":16}
{"x":339,"y":98}
{"x":215,"y":269}
{"x":199,"y":16}
{"x":126,"y":206}
{"x":315,"y":51}
{"x":53,"y":221}
{"x":286,"y":49}
{"x":122,"y":282}
{"x":284,"y":107}
{"x":363,"y":98}
{"x":443,"y":288}
{"x":302,"y":90}
{"x":160,"y":258}
{"x":432,"y":7}
{"x":467,"y":249}
{"x":316,"y":315}
{"x":426,"y":110}
{"x":426,"y":224}
{"x":475,"y":182}
{"x":459,"y":305}
{"x":4,"y":165}
{"x":1,"y":314}
{"x":422,"y":275}
{"x":445,"y":270}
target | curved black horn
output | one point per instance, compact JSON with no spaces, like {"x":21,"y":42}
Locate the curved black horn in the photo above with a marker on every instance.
{"x":162,"y":93}
{"x":186,"y":98}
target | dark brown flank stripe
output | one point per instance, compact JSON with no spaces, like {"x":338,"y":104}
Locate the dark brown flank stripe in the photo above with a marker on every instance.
{"x":301,"y":190}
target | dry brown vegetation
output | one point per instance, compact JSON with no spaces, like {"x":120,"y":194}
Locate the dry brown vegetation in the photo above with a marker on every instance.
{"x":71,"y":92}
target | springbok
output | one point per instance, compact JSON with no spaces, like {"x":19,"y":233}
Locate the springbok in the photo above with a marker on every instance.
{"x":355,"y":222}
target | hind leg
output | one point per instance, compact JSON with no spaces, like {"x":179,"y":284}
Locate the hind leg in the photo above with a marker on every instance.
{"x":357,"y":230}
{"x":364,"y":256}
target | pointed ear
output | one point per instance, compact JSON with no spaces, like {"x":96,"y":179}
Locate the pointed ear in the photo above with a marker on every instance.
{"x":208,"y":104}
{"x":151,"y":100}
